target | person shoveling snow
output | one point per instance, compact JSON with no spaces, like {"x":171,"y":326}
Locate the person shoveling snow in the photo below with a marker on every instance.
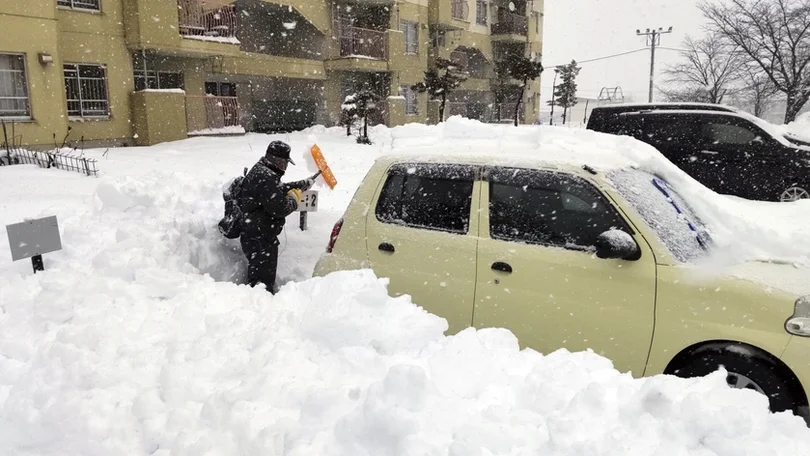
{"x":261,"y":204}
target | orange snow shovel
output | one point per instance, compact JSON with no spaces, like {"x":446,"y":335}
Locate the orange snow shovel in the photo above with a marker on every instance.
{"x":326,"y":172}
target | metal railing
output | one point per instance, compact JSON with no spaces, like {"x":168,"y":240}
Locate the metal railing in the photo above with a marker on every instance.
{"x":198,"y":19}
{"x":359,"y":42}
{"x":460,"y":9}
{"x":210,"y":113}
{"x":510,"y":24}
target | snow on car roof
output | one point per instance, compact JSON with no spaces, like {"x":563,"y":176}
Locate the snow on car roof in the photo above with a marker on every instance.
{"x":460,"y":139}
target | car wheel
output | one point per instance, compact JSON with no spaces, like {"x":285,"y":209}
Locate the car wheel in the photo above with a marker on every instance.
{"x":744,"y":372}
{"x":795,"y":193}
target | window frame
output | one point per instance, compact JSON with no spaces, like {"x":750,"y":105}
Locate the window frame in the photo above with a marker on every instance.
{"x":411,"y":100}
{"x":29,"y":114}
{"x":73,"y":7}
{"x":404,"y":27}
{"x":81,"y":114}
{"x":155,"y":75}
{"x":422,"y":170}
{"x":598,"y":194}
{"x":481,"y":12}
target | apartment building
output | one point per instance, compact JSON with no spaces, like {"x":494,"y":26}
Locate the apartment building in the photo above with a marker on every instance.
{"x":139,"y":72}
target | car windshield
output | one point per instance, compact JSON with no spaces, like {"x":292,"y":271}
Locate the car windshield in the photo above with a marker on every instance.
{"x":665,"y":211}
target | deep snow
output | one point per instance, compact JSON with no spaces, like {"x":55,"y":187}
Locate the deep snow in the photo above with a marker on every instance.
{"x":135,"y":340}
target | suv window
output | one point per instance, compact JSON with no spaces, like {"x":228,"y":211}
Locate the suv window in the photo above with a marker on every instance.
{"x":542,"y":207}
{"x":428,"y":196}
{"x":661,"y":130}
{"x":720,"y":132}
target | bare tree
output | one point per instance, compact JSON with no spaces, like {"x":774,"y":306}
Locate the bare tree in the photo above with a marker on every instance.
{"x":758,"y":92}
{"x":776,"y":35}
{"x":708,"y":72}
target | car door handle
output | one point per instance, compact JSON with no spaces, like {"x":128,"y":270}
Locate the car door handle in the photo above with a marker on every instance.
{"x":386,"y":247}
{"x":709,"y":152}
{"x":503,"y":267}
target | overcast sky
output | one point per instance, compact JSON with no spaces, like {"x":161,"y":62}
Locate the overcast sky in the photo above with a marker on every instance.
{"x":587,"y":29}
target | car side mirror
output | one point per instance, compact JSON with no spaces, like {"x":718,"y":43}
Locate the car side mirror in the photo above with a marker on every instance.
{"x":617,"y":244}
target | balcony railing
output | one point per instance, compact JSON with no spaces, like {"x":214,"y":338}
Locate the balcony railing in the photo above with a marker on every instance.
{"x":359,"y":42}
{"x":210,"y":114}
{"x":460,"y":9}
{"x":197,"y":19}
{"x":510,"y":24}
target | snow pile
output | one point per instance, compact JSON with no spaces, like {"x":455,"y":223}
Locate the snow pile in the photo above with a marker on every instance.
{"x":799,"y":128}
{"x":135,"y":340}
{"x":229,"y":130}
{"x":96,"y":362}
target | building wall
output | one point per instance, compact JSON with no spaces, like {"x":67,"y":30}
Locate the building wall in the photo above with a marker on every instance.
{"x":98,"y":38}
{"x":45,"y":85}
{"x":109,"y":38}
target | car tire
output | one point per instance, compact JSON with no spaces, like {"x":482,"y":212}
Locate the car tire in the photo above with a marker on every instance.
{"x":746,"y":372}
{"x":794,"y":192}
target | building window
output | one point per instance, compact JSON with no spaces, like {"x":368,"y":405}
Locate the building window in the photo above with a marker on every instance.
{"x":94,"y":5}
{"x":411,"y":31}
{"x":158,"y":80}
{"x":86,"y":90}
{"x":13,"y":86}
{"x":481,"y":12}
{"x":411,"y":102}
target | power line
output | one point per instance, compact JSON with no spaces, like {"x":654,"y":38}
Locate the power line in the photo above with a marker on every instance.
{"x":603,"y":58}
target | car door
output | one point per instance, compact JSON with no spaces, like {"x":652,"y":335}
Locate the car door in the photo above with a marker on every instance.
{"x":740,"y":154}
{"x":422,"y":234}
{"x":537,"y":277}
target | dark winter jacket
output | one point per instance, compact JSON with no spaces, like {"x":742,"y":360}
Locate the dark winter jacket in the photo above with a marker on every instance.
{"x":264,"y":202}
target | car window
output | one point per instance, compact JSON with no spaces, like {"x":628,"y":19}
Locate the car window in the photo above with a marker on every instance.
{"x":427,"y":196}
{"x":664,"y":131}
{"x":540,"y":207}
{"x":664,"y":210}
{"x":721,"y":133}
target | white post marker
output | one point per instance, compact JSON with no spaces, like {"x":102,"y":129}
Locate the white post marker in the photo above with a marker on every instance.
{"x":309,"y":203}
{"x":33,"y":238}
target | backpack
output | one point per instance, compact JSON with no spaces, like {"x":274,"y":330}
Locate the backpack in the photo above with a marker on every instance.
{"x":231,"y":224}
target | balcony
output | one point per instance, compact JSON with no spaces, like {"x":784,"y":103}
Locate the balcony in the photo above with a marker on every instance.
{"x":203,"y":21}
{"x":510,"y":26}
{"x":449,"y":14}
{"x":361,"y":50}
{"x":212,"y":115}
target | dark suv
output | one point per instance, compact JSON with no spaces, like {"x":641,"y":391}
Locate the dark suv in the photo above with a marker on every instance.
{"x":727,"y":150}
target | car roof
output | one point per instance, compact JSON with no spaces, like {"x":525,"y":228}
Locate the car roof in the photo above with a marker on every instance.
{"x":669,"y":106}
{"x":493,"y":159}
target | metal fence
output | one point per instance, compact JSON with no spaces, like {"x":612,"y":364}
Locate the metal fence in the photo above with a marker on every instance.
{"x":12,"y":153}
{"x":198,"y":18}
{"x":356,"y":41}
{"x":208,"y":112}
{"x":59,"y":160}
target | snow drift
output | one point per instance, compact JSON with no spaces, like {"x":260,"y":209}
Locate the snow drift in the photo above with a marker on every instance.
{"x":136,"y":340}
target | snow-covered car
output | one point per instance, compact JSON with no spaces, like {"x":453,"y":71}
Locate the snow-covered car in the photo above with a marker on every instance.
{"x":576,"y":258}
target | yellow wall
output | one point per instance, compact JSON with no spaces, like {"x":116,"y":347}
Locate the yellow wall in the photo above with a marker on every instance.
{"x":98,"y":38}
{"x":158,"y":117}
{"x":45,"y":83}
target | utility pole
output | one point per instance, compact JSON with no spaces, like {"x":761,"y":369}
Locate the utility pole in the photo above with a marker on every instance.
{"x":653,"y":40}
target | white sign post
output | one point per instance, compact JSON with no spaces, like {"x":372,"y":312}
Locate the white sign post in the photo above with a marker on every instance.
{"x":309,"y":203}
{"x":33,"y":238}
